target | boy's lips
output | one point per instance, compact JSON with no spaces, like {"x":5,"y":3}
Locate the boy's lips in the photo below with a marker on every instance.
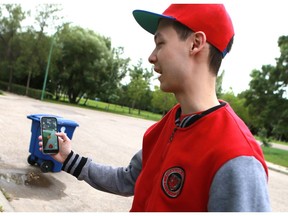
{"x":157,"y":70}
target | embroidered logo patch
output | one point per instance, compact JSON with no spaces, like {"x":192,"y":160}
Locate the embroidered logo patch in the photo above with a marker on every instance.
{"x":172,"y":181}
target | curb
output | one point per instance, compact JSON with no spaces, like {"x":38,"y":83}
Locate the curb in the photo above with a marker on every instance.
{"x":277,"y":168}
{"x":6,"y":207}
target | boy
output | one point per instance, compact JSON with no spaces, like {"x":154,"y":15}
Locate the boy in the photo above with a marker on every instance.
{"x":200,"y":156}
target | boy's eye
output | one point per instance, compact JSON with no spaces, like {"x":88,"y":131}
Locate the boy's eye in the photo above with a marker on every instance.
{"x":159,"y":43}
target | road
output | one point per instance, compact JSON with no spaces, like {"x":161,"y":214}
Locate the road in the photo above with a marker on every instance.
{"x":107,"y":138}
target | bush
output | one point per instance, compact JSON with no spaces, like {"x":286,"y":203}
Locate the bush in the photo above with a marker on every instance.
{"x":264,"y":137}
{"x":21,"y":90}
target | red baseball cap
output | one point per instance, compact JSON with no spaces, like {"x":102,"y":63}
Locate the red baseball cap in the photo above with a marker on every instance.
{"x":212,"y":19}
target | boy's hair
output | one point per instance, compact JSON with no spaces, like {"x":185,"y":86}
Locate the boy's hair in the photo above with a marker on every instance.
{"x":215,"y":56}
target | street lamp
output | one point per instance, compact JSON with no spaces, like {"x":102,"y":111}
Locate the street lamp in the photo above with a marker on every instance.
{"x":47,"y":68}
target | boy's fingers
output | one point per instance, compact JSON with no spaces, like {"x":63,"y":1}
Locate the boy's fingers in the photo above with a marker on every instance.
{"x":63,"y":136}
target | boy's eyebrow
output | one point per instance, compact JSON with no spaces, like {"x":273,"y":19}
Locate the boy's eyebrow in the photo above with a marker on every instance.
{"x":157,"y":35}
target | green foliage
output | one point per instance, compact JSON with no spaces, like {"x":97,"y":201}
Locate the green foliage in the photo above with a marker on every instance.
{"x":276,"y":156}
{"x":281,"y":74}
{"x":267,"y":100}
{"x":162,"y":101}
{"x":238,"y":105}
{"x":87,"y":65}
{"x":263,"y":136}
{"x":25,"y":52}
{"x":21,"y":90}
{"x":138,"y":90}
{"x":11,"y":17}
{"x":219,"y":81}
{"x":113,"y":108}
{"x":115,"y":72}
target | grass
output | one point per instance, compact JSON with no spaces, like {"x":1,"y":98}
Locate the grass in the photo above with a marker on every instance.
{"x":112,"y":108}
{"x":276,"y":156}
{"x":122,"y":110}
{"x":273,"y":141}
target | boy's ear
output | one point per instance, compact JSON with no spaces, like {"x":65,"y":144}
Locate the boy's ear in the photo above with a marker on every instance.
{"x":198,"y":42}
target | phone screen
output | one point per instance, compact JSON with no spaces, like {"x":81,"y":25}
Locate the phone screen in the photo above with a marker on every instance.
{"x":49,"y":138}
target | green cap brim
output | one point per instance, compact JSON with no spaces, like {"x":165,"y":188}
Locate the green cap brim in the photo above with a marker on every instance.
{"x":149,"y":20}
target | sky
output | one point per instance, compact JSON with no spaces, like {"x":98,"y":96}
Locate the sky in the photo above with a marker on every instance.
{"x":257,"y":24}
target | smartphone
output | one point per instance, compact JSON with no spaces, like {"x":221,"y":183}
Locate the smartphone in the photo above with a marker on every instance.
{"x":49,"y":138}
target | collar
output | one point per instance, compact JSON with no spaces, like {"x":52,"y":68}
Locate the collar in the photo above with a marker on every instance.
{"x":190,"y":119}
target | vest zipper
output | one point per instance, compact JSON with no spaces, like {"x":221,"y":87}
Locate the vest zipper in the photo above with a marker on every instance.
{"x":172,"y":135}
{"x":168,"y":144}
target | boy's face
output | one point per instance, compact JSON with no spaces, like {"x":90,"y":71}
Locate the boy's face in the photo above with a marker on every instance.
{"x":171,"y":58}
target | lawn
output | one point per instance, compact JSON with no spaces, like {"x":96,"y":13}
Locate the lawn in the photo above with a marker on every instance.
{"x":276,"y":156}
{"x":113,"y":108}
{"x":122,"y":110}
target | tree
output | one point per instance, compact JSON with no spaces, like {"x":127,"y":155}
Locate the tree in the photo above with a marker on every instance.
{"x":282,"y":64}
{"x":267,"y":99}
{"x":138,"y":90}
{"x":261,"y":99}
{"x":116,"y":71}
{"x":29,"y":46}
{"x":82,"y":65}
{"x":238,"y":105}
{"x":281,"y":78}
{"x":162,"y":101}
{"x":46,"y":16}
{"x":9,"y":26}
{"x":26,"y":57}
{"x":219,"y":82}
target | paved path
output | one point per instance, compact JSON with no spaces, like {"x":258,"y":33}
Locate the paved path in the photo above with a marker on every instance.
{"x":279,"y":146}
{"x":107,"y":138}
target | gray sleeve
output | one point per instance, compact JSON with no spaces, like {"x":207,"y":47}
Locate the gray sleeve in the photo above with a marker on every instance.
{"x":116,"y":180}
{"x":240,"y":185}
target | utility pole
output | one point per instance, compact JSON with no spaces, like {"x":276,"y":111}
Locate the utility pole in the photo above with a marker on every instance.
{"x":47,"y":68}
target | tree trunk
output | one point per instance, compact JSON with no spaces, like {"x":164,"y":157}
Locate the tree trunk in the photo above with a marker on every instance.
{"x":28,"y":82}
{"x":10,"y":78}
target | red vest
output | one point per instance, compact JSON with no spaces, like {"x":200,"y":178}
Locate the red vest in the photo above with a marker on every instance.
{"x":177,"y":170}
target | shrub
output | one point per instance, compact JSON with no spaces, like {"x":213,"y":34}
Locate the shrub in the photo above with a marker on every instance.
{"x":21,"y":90}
